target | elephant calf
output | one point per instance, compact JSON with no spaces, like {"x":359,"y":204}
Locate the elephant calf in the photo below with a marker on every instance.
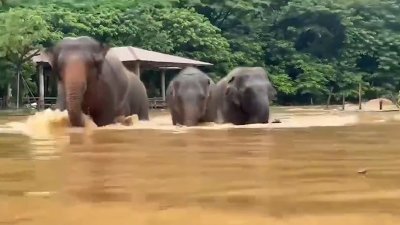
{"x":243,"y":97}
{"x":188,"y":97}
{"x":95,"y":83}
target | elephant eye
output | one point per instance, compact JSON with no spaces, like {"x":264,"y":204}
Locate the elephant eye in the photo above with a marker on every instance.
{"x":202,"y":97}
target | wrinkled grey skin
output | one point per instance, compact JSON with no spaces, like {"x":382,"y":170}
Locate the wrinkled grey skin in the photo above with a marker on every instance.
{"x":188,"y":97}
{"x":94,"y":82}
{"x":243,"y":97}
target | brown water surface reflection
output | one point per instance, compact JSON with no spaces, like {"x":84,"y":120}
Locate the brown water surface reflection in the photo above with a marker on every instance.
{"x":236,"y":176}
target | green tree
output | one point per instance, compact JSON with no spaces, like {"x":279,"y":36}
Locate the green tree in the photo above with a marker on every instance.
{"x":193,"y":36}
{"x":312,"y":49}
{"x":23,"y":31}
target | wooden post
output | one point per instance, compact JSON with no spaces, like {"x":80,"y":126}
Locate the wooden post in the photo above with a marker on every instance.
{"x":41,"y":87}
{"x":163,"y":84}
{"x":359,"y":96}
{"x":60,"y":102}
{"x":137,"y":69}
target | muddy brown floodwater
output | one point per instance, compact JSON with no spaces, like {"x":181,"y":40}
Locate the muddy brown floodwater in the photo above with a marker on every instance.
{"x":316,"y":167}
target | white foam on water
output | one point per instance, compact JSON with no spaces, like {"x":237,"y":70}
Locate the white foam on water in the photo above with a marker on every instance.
{"x":50,"y":124}
{"x":50,"y":132}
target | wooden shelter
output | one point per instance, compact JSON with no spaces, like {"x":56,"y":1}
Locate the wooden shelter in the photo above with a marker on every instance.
{"x":135,"y":59}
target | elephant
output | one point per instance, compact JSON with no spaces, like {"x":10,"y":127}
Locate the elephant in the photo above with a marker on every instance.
{"x":92,"y":81}
{"x":188,"y":97}
{"x":243,"y":97}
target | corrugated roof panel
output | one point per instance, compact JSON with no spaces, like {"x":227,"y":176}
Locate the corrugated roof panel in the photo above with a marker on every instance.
{"x":132,"y":54}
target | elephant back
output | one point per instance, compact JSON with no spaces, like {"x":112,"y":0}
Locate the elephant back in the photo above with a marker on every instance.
{"x":192,"y":71}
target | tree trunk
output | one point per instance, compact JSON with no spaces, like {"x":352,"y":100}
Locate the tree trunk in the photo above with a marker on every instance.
{"x":311,"y":101}
{"x":328,"y":102}
{"x":8,"y":96}
{"x":18,"y":85}
{"x":343,"y":102}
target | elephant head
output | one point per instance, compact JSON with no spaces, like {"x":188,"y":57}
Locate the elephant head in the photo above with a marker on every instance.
{"x":250,"y":92}
{"x":191,"y":94}
{"x":77,"y":63}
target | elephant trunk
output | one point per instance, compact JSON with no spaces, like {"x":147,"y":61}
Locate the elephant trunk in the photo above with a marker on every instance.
{"x":191,"y":116}
{"x":74,"y":102}
{"x":260,"y":111}
{"x":75,"y":86}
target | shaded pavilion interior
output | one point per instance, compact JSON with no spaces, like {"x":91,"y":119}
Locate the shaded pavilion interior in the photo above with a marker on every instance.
{"x":135,"y":59}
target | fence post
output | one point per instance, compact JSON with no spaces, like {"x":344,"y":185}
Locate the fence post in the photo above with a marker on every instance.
{"x":163,"y":84}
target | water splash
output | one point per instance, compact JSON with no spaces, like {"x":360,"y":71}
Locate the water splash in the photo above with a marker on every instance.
{"x":50,"y":132}
{"x":54,"y":123}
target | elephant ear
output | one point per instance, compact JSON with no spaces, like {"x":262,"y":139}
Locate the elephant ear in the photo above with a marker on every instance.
{"x":104,"y":48}
{"x":232,"y":94}
{"x":51,"y":54}
{"x":100,"y":55}
{"x":209,"y":87}
{"x":175,"y":88}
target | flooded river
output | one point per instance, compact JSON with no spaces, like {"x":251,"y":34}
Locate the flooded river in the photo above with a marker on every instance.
{"x":315,"y":167}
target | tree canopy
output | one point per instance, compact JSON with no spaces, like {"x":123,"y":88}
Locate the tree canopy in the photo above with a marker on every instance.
{"x":311,"y":48}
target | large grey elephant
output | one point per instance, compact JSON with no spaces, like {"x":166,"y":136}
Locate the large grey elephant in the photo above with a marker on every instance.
{"x":243,"y":97}
{"x":93,"y":81}
{"x":188,"y":97}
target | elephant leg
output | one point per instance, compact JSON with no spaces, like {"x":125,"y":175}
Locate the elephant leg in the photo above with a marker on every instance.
{"x":175,"y":118}
{"x":144,"y":116}
{"x":209,"y":116}
{"x":124,"y":116}
{"x":104,"y":118}
{"x":60,"y":104}
{"x":144,"y":113}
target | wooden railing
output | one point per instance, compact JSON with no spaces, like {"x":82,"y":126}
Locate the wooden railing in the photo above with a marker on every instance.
{"x":157,"y":103}
{"x":48,"y":101}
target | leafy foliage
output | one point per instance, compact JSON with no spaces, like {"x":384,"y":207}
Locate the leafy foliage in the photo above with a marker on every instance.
{"x":23,"y":31}
{"x":310,"y":48}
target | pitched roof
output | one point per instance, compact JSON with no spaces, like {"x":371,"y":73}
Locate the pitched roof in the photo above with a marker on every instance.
{"x":134,"y":54}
